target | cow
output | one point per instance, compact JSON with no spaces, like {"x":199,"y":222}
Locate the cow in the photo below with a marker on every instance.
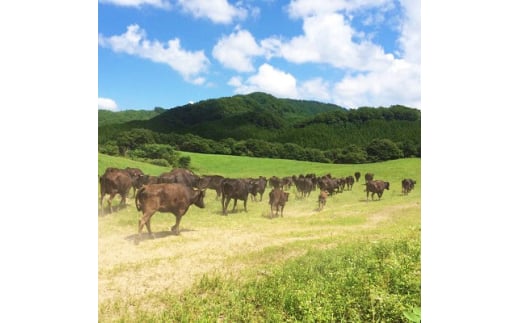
{"x":349,"y":180}
{"x":181,"y":176}
{"x":135,"y":174}
{"x":237,"y":189}
{"x":377,"y":186}
{"x":357,"y":175}
{"x":369,"y":177}
{"x":166,"y":197}
{"x":277,"y":199}
{"x":303,"y":185}
{"x":114,"y":181}
{"x":407,"y":185}
{"x":322,"y":199}
{"x":213,"y":182}
{"x":146,"y":180}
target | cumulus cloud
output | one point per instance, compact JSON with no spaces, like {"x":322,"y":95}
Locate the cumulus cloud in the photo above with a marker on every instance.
{"x":162,"y":4}
{"x":237,"y":50}
{"x":410,"y":39}
{"x":134,"y":42}
{"x":268,"y":79}
{"x":107,"y":104}
{"x":399,"y":84}
{"x":218,"y":11}
{"x":315,"y":89}
{"x":329,"y":39}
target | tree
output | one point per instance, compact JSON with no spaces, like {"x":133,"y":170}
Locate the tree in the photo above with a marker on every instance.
{"x":128,"y":140}
{"x":383,"y":149}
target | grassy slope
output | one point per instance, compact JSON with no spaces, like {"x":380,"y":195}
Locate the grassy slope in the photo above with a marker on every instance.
{"x":142,"y":281}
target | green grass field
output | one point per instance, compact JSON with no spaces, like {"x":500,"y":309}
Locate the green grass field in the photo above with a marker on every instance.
{"x":354,"y":261}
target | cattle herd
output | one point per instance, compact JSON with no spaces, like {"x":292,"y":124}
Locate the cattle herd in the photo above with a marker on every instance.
{"x":177,"y":190}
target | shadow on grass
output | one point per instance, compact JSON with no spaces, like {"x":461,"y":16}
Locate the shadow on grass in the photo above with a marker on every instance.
{"x":104,"y":211}
{"x":155,"y":235}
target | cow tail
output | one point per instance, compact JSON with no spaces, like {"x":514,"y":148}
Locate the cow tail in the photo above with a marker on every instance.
{"x":138,"y":198}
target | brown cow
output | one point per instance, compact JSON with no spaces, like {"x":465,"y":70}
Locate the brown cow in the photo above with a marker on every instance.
{"x":369,"y":177}
{"x":181,"y":176}
{"x":166,"y":197}
{"x":322,"y":200}
{"x":378,"y":187}
{"x":277,"y":199}
{"x":135,"y":174}
{"x":114,"y":181}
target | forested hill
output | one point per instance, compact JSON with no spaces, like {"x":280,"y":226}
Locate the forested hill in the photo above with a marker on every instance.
{"x":227,"y":122}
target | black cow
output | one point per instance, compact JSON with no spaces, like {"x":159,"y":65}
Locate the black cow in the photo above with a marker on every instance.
{"x":213,"y":182}
{"x":114,"y":181}
{"x":357,"y":175}
{"x":408,"y":185}
{"x":377,"y":186}
{"x":237,"y":189}
{"x":349,"y":180}
{"x":277,"y":199}
{"x":165,"y":197}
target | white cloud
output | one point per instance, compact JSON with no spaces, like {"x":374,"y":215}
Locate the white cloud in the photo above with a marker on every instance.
{"x":162,"y":4}
{"x":218,"y":11}
{"x":268,"y":79}
{"x":410,"y":39}
{"x":329,"y":39}
{"x":107,"y":104}
{"x":315,"y":89}
{"x":400,"y":84}
{"x":134,"y":42}
{"x":237,"y":50}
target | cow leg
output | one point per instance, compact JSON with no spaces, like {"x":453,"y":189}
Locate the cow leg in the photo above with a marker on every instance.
{"x":145,"y":220}
{"x":245,"y":204}
{"x":225,"y":204}
{"x":271,"y":211}
{"x":111,"y":197}
{"x":175,"y":228}
{"x":101,"y":203}
{"x":281,"y":211}
{"x":234,"y":206}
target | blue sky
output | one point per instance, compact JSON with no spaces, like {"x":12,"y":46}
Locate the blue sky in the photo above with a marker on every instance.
{"x":168,"y":53}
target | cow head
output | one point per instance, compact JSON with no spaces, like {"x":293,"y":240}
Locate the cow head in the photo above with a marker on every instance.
{"x":387,"y":185}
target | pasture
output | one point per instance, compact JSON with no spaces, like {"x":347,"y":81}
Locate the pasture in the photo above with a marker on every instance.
{"x":354,"y":261}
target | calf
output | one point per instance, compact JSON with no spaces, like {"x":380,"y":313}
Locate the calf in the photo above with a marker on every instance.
{"x":114,"y":181}
{"x":378,"y":187}
{"x":165,"y":197}
{"x":277,"y":199}
{"x":322,"y":200}
{"x":407,"y":185}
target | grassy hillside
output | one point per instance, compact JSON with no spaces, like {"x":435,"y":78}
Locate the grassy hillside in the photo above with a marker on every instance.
{"x":355,"y":261}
